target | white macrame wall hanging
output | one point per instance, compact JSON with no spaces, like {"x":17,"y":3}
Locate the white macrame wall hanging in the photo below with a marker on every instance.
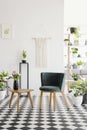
{"x":41,"y":52}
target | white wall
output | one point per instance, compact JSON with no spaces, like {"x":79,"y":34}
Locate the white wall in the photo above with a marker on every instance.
{"x":32,"y":18}
{"x":75,"y":12}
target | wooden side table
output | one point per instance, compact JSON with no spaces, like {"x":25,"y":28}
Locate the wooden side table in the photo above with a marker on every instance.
{"x":19,"y":91}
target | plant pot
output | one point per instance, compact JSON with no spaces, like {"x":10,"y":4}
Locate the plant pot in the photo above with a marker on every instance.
{"x":72,"y":30}
{"x":75,"y":79}
{"x":77,"y":101}
{"x":23,"y":61}
{"x":84,"y":98}
{"x":15,"y":85}
{"x":2,"y":94}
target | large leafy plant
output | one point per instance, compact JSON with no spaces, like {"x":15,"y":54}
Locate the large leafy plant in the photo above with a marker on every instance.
{"x":3,"y":75}
{"x":78,"y":87}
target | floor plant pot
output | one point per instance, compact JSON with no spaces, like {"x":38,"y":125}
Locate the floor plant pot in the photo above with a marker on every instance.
{"x":77,"y":101}
{"x":15,"y":85}
{"x":84,"y":99}
{"x":2,"y":94}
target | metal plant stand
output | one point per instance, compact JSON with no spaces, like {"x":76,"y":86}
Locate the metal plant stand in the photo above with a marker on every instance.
{"x":20,"y":71}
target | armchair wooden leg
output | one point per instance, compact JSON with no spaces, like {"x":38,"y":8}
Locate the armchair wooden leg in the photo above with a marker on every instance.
{"x":54,"y":100}
{"x":11,"y":99}
{"x":18,"y":102}
{"x":65,"y":99}
{"x":29,"y":95}
{"x":41,"y":99}
{"x":50,"y":97}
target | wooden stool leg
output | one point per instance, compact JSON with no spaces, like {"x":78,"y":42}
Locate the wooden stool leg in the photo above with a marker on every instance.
{"x":41,"y":99}
{"x":29,"y":95}
{"x":11,"y":99}
{"x":18,"y":102}
{"x":50,"y":97}
{"x":54,"y":100}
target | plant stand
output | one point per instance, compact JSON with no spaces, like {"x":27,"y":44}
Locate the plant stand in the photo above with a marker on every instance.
{"x":24,"y":78}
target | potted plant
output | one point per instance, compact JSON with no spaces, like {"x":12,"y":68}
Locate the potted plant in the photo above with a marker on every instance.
{"x":24,"y":56}
{"x":75,"y":31}
{"x":79,"y":64}
{"x":78,"y":89}
{"x":74,"y":66}
{"x":75,"y":76}
{"x":3,"y":76}
{"x":74,"y":50}
{"x":16,"y":77}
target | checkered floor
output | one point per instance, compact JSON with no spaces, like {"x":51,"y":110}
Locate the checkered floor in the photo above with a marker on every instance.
{"x":47,"y":119}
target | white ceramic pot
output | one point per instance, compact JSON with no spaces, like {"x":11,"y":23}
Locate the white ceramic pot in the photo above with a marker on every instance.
{"x":2,"y":94}
{"x":77,"y":101}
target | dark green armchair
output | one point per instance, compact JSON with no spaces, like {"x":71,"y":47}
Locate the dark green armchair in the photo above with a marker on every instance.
{"x":52,"y":83}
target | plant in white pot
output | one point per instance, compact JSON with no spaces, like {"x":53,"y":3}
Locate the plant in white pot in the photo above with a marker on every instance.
{"x":3,"y":76}
{"x":78,"y":89}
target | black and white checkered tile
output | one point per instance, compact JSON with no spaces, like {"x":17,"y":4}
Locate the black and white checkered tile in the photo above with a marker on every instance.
{"x":46,"y":119}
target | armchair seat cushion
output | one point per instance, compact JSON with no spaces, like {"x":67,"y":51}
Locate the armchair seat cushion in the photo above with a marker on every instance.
{"x":50,"y":88}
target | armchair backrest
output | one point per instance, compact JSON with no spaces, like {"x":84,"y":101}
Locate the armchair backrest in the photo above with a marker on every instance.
{"x":52,"y":79}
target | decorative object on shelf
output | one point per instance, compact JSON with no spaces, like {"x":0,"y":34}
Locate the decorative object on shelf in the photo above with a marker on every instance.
{"x":78,"y":89}
{"x":79,"y":64}
{"x":6,"y":31}
{"x":24,"y":56}
{"x":75,"y":31}
{"x":66,"y":39}
{"x":76,"y":41}
{"x":16,"y":77}
{"x":75,"y":76}
{"x":24,"y":78}
{"x":86,"y":42}
{"x":74,"y":50}
{"x":74,"y":66}
{"x":78,"y":55}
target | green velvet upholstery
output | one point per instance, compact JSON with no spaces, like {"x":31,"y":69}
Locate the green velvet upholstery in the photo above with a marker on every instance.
{"x":51,"y":81}
{"x":50,"y":88}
